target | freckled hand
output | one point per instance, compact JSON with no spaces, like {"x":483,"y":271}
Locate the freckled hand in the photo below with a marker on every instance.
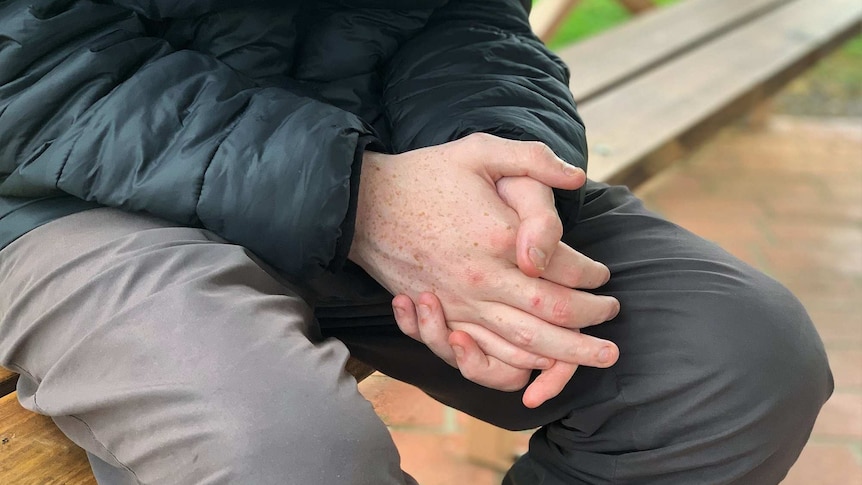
{"x":432,"y":219}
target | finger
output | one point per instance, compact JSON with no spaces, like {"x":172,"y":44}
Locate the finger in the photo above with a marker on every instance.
{"x":572,"y":269}
{"x":484,"y":370}
{"x":548,"y":384}
{"x":405,"y":316}
{"x":500,"y":157}
{"x":552,"y":302}
{"x":433,"y":331}
{"x":540,"y":228}
{"x":493,"y":345}
{"x":539,"y":234}
{"x":537,"y":336}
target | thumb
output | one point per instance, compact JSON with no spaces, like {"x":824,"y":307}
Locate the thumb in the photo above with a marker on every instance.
{"x":548,"y":384}
{"x":540,"y":228}
{"x":501,"y":157}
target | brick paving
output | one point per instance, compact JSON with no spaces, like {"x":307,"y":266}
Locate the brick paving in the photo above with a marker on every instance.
{"x":787,"y":198}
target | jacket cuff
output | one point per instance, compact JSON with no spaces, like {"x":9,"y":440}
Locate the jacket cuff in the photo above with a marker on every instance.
{"x":348,"y":226}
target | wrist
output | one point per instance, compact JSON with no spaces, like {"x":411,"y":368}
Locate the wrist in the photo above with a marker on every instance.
{"x":368,"y":180}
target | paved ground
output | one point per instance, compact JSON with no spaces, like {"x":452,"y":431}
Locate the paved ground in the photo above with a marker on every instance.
{"x":787,"y":198}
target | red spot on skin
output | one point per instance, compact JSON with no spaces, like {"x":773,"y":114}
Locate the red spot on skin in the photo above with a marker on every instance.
{"x":536,"y":301}
{"x":475,"y":278}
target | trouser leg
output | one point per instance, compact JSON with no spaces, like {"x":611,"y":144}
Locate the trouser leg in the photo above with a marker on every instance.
{"x":172,"y":357}
{"x":721,"y":373}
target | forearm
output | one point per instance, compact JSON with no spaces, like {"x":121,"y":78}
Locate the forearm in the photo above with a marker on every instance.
{"x":127,"y":120}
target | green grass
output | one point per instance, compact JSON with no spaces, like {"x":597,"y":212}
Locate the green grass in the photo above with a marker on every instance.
{"x":832,"y":88}
{"x":591,"y":17}
{"x":844,"y":67}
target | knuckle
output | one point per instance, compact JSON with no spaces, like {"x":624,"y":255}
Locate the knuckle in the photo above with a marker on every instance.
{"x":537,"y":151}
{"x":494,"y":284}
{"x":550,"y":223}
{"x":478,"y":138}
{"x":524,"y":337}
{"x":556,"y":225}
{"x":561,"y":311}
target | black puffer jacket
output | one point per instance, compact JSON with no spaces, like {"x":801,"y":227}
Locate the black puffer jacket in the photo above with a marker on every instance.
{"x":250,"y":117}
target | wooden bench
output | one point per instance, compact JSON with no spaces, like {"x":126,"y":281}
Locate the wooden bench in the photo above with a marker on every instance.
{"x":34,"y":451}
{"x":661,"y":84}
{"x":649,"y":91}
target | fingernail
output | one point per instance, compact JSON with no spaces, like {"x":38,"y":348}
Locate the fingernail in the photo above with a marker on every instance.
{"x":459,"y":352}
{"x":571,"y":170}
{"x":605,"y":355}
{"x":542,"y":363}
{"x":537,"y":256}
{"x":424,"y":311}
{"x":399,"y":312}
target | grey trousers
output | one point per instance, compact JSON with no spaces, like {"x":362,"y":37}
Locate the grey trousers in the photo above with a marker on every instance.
{"x":172,"y":356}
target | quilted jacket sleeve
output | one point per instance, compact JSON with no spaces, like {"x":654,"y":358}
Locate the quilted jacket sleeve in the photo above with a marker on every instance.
{"x":96,"y":103}
{"x":477,"y":67}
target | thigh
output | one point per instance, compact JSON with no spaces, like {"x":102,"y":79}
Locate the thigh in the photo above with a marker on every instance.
{"x":711,"y":356}
{"x":177,"y":358}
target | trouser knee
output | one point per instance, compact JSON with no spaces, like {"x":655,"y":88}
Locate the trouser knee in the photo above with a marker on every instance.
{"x":324,"y":442}
{"x":726,"y":394}
{"x":783,"y":376}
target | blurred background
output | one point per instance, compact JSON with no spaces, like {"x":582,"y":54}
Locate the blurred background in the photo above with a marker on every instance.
{"x":781,"y":188}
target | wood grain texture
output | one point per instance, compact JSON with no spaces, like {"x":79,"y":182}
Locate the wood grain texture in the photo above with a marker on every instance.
{"x":603,"y":62}
{"x":687,"y":99}
{"x":33,"y":451}
{"x":8,"y":379}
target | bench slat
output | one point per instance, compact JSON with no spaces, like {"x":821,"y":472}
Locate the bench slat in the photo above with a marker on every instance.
{"x":358,"y":369}
{"x":612,"y":57}
{"x":34,"y":451}
{"x":8,"y":379}
{"x":678,"y":103}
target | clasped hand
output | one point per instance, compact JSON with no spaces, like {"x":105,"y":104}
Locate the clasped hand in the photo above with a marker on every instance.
{"x":466,"y":235}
